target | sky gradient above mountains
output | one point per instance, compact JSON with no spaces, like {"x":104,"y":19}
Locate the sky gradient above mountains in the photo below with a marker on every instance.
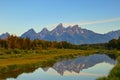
{"x":100,"y":16}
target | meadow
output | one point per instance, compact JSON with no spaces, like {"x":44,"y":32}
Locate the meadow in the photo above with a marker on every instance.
{"x":18,"y":55}
{"x":17,"y":61}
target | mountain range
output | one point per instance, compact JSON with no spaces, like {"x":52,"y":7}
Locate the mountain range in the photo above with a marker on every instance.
{"x":73,"y":34}
{"x":4,"y":35}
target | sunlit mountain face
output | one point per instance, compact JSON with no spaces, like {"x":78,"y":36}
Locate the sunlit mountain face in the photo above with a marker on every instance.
{"x":72,"y":34}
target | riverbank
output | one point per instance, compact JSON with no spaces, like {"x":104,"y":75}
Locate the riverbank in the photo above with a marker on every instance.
{"x":17,"y":61}
{"x":19,"y":57}
{"x":115,"y":72}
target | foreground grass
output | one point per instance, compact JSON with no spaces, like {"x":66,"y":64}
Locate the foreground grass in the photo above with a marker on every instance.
{"x":18,"y":61}
{"x":33,"y":56}
{"x":115,"y":72}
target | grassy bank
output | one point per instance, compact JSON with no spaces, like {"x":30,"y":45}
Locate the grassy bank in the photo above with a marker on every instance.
{"x":17,"y":61}
{"x":115,"y":72}
{"x":10,"y":57}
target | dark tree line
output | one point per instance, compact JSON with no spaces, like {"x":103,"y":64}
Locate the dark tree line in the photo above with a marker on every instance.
{"x":114,"y":44}
{"x":13,"y":42}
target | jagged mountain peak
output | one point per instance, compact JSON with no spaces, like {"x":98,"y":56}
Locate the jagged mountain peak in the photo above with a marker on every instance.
{"x":30,"y":33}
{"x":31,"y":30}
{"x":69,"y":26}
{"x":114,"y":34}
{"x":114,"y":31}
{"x":58,"y":30}
{"x":73,"y":34}
{"x":75,"y":29}
{"x":59,"y":25}
{"x":75,"y":26}
{"x":43,"y":33}
{"x":45,"y":30}
{"x":4,"y":35}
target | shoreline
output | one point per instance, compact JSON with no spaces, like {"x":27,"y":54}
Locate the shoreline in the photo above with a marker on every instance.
{"x":32,"y":59}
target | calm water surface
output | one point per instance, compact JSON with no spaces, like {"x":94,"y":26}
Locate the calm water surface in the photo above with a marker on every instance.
{"x":81,"y":68}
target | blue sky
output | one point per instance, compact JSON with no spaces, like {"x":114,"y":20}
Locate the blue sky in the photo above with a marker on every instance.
{"x":17,"y":16}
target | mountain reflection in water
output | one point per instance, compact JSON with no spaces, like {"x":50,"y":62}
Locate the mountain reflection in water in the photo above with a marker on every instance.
{"x":84,"y":68}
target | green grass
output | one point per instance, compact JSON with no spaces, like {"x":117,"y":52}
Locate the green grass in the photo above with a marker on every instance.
{"x":32,"y":56}
{"x":115,"y":72}
{"x":16,"y":61}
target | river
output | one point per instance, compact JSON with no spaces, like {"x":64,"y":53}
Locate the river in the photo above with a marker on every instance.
{"x":81,"y":68}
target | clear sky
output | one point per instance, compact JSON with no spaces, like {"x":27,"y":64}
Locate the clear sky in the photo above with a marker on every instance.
{"x":17,"y":16}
